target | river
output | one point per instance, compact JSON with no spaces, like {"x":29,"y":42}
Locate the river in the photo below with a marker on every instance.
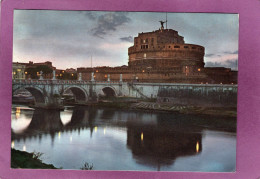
{"x":112,"y":139}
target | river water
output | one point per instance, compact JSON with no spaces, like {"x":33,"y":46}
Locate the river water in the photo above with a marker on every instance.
{"x":112,"y":139}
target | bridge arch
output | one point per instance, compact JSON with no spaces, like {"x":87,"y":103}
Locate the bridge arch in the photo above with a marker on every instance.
{"x":108,"y":91}
{"x":36,"y":92}
{"x":79,"y":93}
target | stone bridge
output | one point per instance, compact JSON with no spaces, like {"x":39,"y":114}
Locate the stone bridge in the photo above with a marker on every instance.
{"x":49,"y":92}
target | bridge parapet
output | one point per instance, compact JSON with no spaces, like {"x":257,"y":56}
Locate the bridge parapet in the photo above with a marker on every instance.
{"x":47,"y":82}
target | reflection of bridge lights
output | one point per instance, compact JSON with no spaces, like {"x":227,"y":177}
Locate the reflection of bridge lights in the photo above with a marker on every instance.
{"x":17,"y":113}
{"x":12,"y":144}
{"x":18,"y":109}
{"x":70,"y":138}
{"x":104,"y":131}
{"x":59,"y":135}
{"x":24,"y":147}
{"x":197,"y":147}
{"x":142,"y":136}
{"x":95,"y":129}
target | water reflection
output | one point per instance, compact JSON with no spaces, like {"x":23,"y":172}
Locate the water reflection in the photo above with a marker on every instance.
{"x":152,"y":141}
{"x":20,"y":121}
{"x":161,"y":147}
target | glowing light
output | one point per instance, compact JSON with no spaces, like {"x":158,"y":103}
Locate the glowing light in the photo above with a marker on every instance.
{"x":70,"y":138}
{"x":221,"y":83}
{"x":63,"y":71}
{"x":105,"y":76}
{"x":59,"y":135}
{"x":24,"y":147}
{"x":18,"y":109}
{"x":14,"y":72}
{"x":96,"y":71}
{"x":17,"y":113}
{"x":12,"y":144}
{"x":60,"y":74}
{"x":95,"y":129}
{"x":197,"y":147}
{"x":198,"y":69}
{"x":26,"y":72}
{"x":72,"y":74}
{"x":18,"y":69}
{"x":142,"y":136}
{"x":104,"y":131}
{"x":143,"y":71}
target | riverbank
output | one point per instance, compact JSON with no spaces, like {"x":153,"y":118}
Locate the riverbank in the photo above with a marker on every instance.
{"x":157,"y":107}
{"x":21,"y":159}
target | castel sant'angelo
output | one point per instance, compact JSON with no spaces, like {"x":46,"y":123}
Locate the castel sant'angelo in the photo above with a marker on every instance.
{"x":162,"y":56}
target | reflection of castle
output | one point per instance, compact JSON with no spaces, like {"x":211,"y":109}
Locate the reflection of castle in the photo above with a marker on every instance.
{"x":163,"y":56}
{"x":161,"y":147}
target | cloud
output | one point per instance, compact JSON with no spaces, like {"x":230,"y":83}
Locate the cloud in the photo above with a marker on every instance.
{"x":109,"y":22}
{"x":90,"y":15}
{"x":209,"y":55}
{"x":230,"y":63}
{"x":127,"y":39}
{"x":230,"y":52}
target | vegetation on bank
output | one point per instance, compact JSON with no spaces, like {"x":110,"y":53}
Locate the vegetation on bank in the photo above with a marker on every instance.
{"x":20,"y":159}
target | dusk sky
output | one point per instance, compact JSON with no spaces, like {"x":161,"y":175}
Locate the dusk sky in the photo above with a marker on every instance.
{"x":70,"y":38}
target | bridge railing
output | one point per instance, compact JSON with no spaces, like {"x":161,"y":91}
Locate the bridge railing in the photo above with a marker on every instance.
{"x":48,"y":81}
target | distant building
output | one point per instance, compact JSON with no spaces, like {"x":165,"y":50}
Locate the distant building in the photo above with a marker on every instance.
{"x":18,"y":71}
{"x":34,"y":65}
{"x":71,"y":70}
{"x":162,"y":56}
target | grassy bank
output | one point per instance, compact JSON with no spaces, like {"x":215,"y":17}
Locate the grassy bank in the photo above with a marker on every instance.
{"x":20,"y":159}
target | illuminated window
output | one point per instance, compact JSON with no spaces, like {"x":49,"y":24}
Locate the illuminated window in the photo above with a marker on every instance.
{"x":18,"y":69}
{"x":144,"y":55}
